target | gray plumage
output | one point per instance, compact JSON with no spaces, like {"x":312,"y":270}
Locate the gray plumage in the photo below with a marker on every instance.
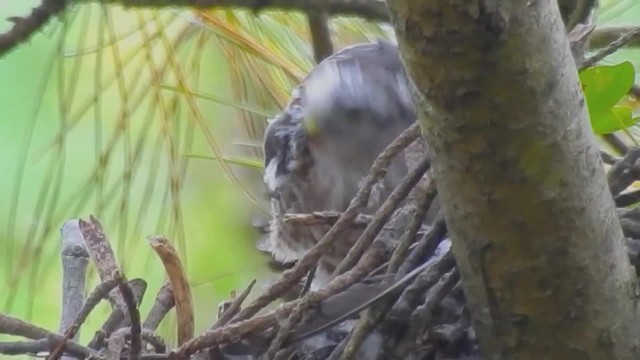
{"x":340,"y":118}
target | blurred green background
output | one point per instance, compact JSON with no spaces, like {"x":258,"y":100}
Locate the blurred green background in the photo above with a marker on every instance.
{"x":126,"y":114}
{"x":151,"y":120}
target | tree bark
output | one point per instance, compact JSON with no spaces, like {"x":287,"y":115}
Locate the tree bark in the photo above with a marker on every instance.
{"x":534,"y":229}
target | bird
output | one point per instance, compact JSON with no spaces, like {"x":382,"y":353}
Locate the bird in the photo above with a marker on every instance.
{"x":342,"y":115}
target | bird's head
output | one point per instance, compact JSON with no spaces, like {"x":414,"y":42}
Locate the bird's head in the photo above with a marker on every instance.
{"x":353,"y":110}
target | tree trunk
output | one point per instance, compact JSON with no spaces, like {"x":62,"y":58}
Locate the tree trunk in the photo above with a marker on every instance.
{"x":534,"y":228}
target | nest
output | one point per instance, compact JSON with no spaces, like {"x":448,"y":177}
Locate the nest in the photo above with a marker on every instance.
{"x":396,"y":295}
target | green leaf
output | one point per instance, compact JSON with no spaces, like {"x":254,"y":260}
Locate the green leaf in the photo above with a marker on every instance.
{"x":605,"y":85}
{"x":616,"y":118}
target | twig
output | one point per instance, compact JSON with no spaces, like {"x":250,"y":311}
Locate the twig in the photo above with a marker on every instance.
{"x":425,"y":275}
{"x":115,"y":345}
{"x":292,"y":276}
{"x":158,"y":343}
{"x":635,"y":91}
{"x":627,"y":199}
{"x":604,"y":36}
{"x":117,"y":319}
{"x":24,"y":27}
{"x":423,"y":203}
{"x":625,"y":172}
{"x":611,"y":48}
{"x":234,"y":307}
{"x":320,"y":34}
{"x":615,"y":142}
{"x":308,"y":281}
{"x":579,"y":40}
{"x":14,"y":326}
{"x":422,"y":314}
{"x":375,"y":255}
{"x":179,"y":283}
{"x":372,"y":258}
{"x":229,"y":333}
{"x":382,"y":215}
{"x":100,"y":292}
{"x":608,"y":158}
{"x":410,"y":298}
{"x":374,"y":315}
{"x":324,"y":218}
{"x":164,"y":302}
{"x":102,"y":255}
{"x":375,"y":10}
{"x":75,"y":259}
{"x":425,"y":247}
{"x":134,"y":317}
{"x":235,"y":331}
{"x":45,"y":345}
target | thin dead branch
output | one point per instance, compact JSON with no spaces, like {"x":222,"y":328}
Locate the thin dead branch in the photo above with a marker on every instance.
{"x":134,"y":317}
{"x":164,"y":302}
{"x":45,"y":340}
{"x":382,"y":215}
{"x":233,"y":309}
{"x":117,"y":317}
{"x":75,"y":258}
{"x":614,"y":46}
{"x":99,"y":293}
{"x":423,"y":204}
{"x":24,"y":27}
{"x":625,"y":172}
{"x":324,"y":218}
{"x":375,"y":10}
{"x":102,"y":255}
{"x":604,"y":36}
{"x":180,"y":285}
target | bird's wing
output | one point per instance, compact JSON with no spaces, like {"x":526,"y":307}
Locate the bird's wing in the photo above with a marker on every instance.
{"x":369,"y":77}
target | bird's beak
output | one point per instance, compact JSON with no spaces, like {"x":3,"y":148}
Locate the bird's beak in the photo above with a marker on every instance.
{"x":310,"y":124}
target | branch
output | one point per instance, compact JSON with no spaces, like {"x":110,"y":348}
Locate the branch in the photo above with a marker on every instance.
{"x":375,"y":10}
{"x":625,"y":172}
{"x":323,"y":218}
{"x":320,"y":35}
{"x":233,"y":309}
{"x":102,"y":255}
{"x":164,"y":302}
{"x":117,"y":317}
{"x":14,"y":326}
{"x":45,"y":345}
{"x":100,"y":292}
{"x":134,"y":318}
{"x":602,"y":37}
{"x":614,"y":46}
{"x":24,"y":27}
{"x":75,"y":258}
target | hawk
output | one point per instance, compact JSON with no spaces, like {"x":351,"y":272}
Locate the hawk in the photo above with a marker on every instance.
{"x":345,"y":112}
